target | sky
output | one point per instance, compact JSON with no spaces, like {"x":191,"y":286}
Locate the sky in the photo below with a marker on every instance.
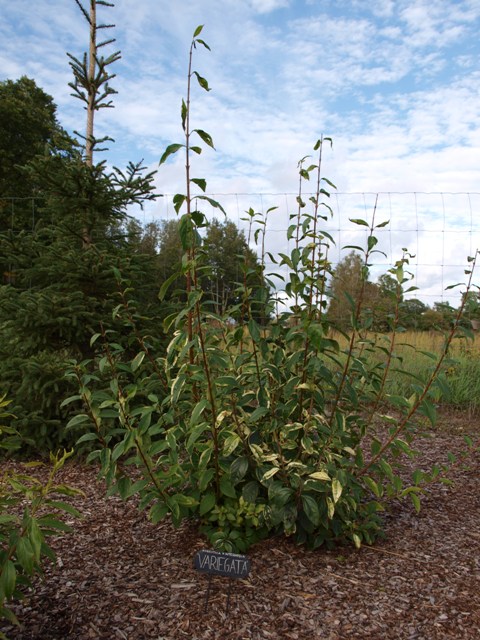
{"x":394,"y":83}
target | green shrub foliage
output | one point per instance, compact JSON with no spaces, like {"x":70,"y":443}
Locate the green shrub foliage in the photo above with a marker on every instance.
{"x":30,"y":512}
{"x":258,"y":428}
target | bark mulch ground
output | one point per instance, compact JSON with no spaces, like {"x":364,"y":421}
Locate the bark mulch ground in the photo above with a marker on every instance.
{"x":119,"y":577}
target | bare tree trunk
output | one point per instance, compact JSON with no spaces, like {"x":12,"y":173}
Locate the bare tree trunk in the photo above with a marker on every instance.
{"x":92,"y":51}
{"x":91,"y":87}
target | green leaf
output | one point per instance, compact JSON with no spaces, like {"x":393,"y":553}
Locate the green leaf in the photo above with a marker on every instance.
{"x":87,"y":437}
{"x":184,"y":114}
{"x":80,"y":418}
{"x":118,"y":450}
{"x":178,"y":200}
{"x":166,"y":285}
{"x":359,"y":221}
{"x":94,"y":338}
{"x":170,"y":150}
{"x":310,"y":507}
{"x":238,"y":469}
{"x":202,"y":42}
{"x":269,"y":474}
{"x":336,"y":490}
{"x":468,"y":441}
{"x":200,"y":182}
{"x":25,"y":555}
{"x":206,"y":137}
{"x":250,"y":491}
{"x":230,"y":444}
{"x":357,"y":540}
{"x":199,"y":218}
{"x":207,"y":503}
{"x":185,"y":230}
{"x":64,"y":506}
{"x":177,"y":387}
{"x":70,"y":400}
{"x":137,"y":361}
{"x":158,"y":512}
{"x":375,"y":447}
{"x":416,"y":501}
{"x":198,"y":411}
{"x":171,"y":439}
{"x":319,"y":475}
{"x":214,"y":203}
{"x":10,"y":617}
{"x":185,"y":501}
{"x":227,"y":488}
{"x":49,"y":522}
{"x":330,"y":508}
{"x":375,"y":488}
{"x":254,"y":330}
{"x":8,"y":580}
{"x":257,"y":414}
{"x":195,"y":433}
{"x":198,"y":30}
{"x":205,"y":457}
{"x":202,"y":81}
{"x":387,"y":469}
{"x":205,"y":477}
{"x":429,"y":411}
{"x":158,"y":447}
{"x":278,"y":494}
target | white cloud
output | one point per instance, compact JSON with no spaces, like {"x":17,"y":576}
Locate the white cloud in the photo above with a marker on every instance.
{"x":266,"y":6}
{"x":394,"y":82}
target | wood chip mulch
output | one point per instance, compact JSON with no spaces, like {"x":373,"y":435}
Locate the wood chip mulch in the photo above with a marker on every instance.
{"x":119,"y":577}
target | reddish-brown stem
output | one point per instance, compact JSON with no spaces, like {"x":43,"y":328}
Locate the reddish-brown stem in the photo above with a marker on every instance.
{"x":414,"y":408}
{"x":213,"y":408}
{"x":312,"y":272}
{"x":358,"y":309}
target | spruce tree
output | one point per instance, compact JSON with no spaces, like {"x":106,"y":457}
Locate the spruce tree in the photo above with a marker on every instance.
{"x":67,"y":270}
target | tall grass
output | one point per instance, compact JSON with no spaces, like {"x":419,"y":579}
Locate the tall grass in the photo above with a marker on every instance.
{"x":461,"y":371}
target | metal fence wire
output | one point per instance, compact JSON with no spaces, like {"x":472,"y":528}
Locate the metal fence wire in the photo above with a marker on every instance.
{"x":439,"y":229}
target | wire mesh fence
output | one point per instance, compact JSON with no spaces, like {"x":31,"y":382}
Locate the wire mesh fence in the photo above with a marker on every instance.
{"x":440,"y":230}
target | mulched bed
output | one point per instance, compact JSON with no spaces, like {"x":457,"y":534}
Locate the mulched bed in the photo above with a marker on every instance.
{"x":119,"y":577}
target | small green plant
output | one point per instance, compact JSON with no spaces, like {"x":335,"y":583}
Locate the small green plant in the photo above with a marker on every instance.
{"x":261,"y":427}
{"x":30,"y":512}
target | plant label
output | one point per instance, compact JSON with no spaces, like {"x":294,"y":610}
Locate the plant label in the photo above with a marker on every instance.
{"x":216,"y":563}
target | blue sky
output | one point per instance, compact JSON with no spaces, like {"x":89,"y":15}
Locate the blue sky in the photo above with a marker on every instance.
{"x":395,"y":83}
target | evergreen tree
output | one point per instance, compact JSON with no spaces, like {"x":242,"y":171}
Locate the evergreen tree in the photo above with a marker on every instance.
{"x":66,"y":271}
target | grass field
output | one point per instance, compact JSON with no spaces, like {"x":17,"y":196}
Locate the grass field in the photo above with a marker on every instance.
{"x":461,"y":369}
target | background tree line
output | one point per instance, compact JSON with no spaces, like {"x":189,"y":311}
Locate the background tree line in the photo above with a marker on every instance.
{"x":380,"y":304}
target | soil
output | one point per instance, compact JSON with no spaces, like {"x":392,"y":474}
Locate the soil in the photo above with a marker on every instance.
{"x":119,"y":577}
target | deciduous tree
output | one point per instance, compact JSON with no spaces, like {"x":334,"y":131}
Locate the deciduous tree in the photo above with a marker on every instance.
{"x":223,"y":251}
{"x":344,"y":290}
{"x":28,"y":122}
